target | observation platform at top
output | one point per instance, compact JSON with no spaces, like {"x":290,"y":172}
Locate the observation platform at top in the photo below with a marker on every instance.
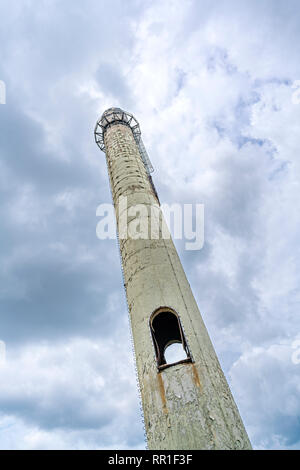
{"x":114,"y":116}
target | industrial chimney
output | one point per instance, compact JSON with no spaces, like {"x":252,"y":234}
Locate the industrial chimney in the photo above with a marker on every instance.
{"x":187,"y":403}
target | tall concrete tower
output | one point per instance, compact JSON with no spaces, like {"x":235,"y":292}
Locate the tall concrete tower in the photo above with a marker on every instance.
{"x":187,"y":403}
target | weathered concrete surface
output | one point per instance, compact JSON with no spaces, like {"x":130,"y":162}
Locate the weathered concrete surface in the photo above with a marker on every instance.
{"x":186,"y":406}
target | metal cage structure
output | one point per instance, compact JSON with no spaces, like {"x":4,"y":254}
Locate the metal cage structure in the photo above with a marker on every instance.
{"x":113,"y":116}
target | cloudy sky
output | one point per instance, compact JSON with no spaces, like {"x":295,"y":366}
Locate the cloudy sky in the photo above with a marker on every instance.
{"x":213,"y":85}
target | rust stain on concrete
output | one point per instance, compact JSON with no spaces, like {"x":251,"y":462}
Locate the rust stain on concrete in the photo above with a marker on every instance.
{"x":196,"y":376}
{"x":162,"y":392}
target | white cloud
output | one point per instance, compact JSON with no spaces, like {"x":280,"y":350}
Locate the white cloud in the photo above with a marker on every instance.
{"x":267,"y":384}
{"x":210,"y":83}
{"x":59,"y":394}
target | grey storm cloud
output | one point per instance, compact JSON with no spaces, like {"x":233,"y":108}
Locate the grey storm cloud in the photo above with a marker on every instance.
{"x":210,"y":83}
{"x":113,"y":83}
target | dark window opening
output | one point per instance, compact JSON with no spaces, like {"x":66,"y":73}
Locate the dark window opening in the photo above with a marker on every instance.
{"x":168,"y":338}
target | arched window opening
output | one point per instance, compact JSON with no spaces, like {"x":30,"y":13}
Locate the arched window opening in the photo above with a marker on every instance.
{"x":174,"y":352}
{"x":168,"y":338}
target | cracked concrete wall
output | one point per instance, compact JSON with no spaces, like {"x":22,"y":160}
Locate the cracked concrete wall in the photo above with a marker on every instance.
{"x":189,"y":405}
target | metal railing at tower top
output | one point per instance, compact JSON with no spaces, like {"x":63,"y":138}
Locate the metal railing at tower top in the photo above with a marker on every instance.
{"x":113,"y":116}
